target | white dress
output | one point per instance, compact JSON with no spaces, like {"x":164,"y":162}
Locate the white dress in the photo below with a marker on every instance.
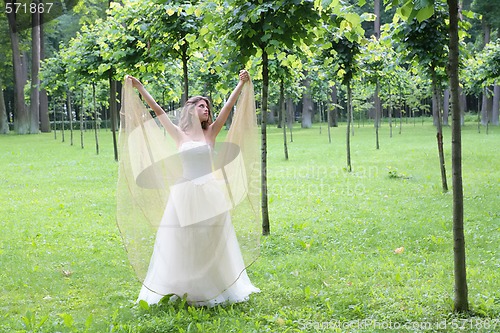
{"x":196,"y":252}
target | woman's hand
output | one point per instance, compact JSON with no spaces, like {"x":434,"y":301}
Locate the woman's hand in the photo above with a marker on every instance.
{"x":135,"y":83}
{"x":244,"y":76}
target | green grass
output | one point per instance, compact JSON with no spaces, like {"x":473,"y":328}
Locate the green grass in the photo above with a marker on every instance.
{"x":330,"y":259}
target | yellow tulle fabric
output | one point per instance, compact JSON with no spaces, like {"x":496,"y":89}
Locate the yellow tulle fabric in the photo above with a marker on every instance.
{"x":189,"y":211}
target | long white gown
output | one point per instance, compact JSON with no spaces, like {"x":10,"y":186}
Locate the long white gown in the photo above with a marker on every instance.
{"x":196,"y":252}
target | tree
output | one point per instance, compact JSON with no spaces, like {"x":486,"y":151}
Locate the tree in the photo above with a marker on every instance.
{"x":21,"y":115}
{"x":5,"y":69}
{"x":490,"y":13}
{"x":482,"y":71}
{"x":432,"y":58}
{"x":4,"y":125}
{"x":461,"y":293}
{"x":345,"y":52}
{"x":375,"y":64}
{"x":172,"y":30}
{"x":345,"y":35}
{"x":44,"y":102}
{"x":263,"y":27}
{"x":461,"y":302}
{"x":35,"y":67}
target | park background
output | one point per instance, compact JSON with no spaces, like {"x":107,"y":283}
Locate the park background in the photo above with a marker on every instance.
{"x":359,"y":227}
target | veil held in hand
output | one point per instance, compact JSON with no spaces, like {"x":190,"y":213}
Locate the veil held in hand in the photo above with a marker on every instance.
{"x":152,"y":171}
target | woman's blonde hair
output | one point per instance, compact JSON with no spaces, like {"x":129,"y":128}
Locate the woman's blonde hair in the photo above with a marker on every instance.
{"x":187,"y":113}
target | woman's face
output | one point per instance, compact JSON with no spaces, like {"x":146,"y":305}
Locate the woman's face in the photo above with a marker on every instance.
{"x":202,"y":110}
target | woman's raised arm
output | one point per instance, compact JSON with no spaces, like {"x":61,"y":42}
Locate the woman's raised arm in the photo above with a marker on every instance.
{"x":216,"y":126}
{"x":171,"y":128}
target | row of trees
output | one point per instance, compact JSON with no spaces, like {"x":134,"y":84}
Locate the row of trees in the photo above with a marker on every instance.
{"x":172,"y":42}
{"x":310,"y":49}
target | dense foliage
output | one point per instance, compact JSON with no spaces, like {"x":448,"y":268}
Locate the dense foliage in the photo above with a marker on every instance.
{"x":186,"y":48}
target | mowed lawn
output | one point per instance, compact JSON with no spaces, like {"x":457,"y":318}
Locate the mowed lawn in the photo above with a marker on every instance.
{"x":366,"y":251}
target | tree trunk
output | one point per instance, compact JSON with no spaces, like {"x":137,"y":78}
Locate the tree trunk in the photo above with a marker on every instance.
{"x":446,"y":106}
{"x":82,"y":117}
{"x":485,"y":108}
{"x":439,"y":129}
{"x":283,"y":116}
{"x":35,"y":69}
{"x":62,"y":122}
{"x":265,"y":91}
{"x":390,"y":113}
{"x":463,"y":104}
{"x":307,"y":104}
{"x":378,"y":112}
{"x":435,"y":107}
{"x":44,"y":100}
{"x":70,"y":114}
{"x":494,"y":109}
{"x":185,"y":92}
{"x":348,"y":132}
{"x":55,"y":120}
{"x":376,"y":11}
{"x":486,"y":105}
{"x":4,"y":123}
{"x":290,"y":110}
{"x":461,"y":303}
{"x":376,"y":97}
{"x":333,"y":111}
{"x":328,"y":126}
{"x":21,"y":117}
{"x":113,"y":111}
{"x":96,"y":120}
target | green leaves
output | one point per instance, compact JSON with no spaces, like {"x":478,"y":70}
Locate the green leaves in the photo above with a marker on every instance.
{"x":483,"y":69}
{"x":419,"y":9}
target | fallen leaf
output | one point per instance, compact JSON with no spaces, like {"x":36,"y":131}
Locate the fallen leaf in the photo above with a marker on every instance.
{"x":66,"y":273}
{"x":399,"y":250}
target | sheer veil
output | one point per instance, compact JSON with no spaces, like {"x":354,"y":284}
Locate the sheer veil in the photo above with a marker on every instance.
{"x":151,"y":171}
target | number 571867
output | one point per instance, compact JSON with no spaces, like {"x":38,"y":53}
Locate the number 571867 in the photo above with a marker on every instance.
{"x":31,"y":8}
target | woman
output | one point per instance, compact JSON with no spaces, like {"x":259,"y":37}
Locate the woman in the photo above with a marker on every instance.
{"x":196,"y":253}
{"x":203,"y":112}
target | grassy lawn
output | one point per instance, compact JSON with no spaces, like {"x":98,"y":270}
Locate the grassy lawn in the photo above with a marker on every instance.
{"x":367,"y":251}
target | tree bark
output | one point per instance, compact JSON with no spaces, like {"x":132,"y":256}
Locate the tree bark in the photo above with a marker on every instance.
{"x":446,"y":106}
{"x":265,"y":91}
{"x":290,"y":110}
{"x":494,"y":109}
{"x":333,"y":111}
{"x":4,"y":123}
{"x":185,"y":84}
{"x":461,"y":303}
{"x":82,"y":117}
{"x":21,"y":117}
{"x":113,"y":111}
{"x":35,"y":69}
{"x":44,"y":100}
{"x":307,"y":104}
{"x":378,"y":112}
{"x":70,"y":114}
{"x":283,"y":117}
{"x":389,"y":111}
{"x":463,"y":104}
{"x":96,"y":119}
{"x":348,"y":133}
{"x":376,"y":11}
{"x":376,"y":97}
{"x":439,"y":129}
{"x":487,"y":101}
